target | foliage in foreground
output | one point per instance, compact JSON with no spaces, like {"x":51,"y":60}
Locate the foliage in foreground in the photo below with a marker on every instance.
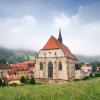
{"x":81,"y":90}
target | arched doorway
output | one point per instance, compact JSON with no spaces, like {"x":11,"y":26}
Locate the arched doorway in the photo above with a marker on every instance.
{"x":50,"y":70}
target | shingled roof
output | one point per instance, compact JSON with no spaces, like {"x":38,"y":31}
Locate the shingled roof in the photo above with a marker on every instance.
{"x":53,"y":43}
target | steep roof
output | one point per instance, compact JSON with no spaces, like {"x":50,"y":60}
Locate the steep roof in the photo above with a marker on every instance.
{"x":53,"y":43}
{"x":18,"y":67}
{"x":4,"y":66}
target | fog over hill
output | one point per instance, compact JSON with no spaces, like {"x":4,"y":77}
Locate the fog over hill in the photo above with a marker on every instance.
{"x":15,"y":56}
{"x":88,"y":59}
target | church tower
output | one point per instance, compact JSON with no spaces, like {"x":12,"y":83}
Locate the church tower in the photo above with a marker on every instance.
{"x":60,"y":36}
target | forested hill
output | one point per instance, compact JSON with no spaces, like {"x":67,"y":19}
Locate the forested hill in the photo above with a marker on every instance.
{"x":88,"y":59}
{"x":14,"y":56}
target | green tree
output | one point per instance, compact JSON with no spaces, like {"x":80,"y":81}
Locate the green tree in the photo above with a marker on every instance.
{"x":32,"y":80}
{"x":0,"y":82}
{"x":22,"y":79}
{"x":94,"y":64}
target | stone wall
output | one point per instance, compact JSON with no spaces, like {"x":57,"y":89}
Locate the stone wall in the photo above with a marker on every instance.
{"x":68,"y":66}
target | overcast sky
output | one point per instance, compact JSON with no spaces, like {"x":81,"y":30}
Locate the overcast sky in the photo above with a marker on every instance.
{"x":28,"y":24}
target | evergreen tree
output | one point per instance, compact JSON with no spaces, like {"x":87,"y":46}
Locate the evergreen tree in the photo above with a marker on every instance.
{"x":32,"y":80}
{"x":0,"y":82}
{"x":22,"y":79}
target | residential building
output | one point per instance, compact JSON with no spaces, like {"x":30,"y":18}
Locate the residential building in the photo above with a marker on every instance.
{"x":86,"y":69}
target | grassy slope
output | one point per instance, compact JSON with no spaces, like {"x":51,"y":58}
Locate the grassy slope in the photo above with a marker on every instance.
{"x":82,"y":90}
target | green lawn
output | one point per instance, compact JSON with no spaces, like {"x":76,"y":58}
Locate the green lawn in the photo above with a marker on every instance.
{"x":80,"y":90}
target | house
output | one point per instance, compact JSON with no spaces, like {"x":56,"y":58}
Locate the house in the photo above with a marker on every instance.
{"x":25,"y":69}
{"x":12,"y":80}
{"x":30,"y":65}
{"x":55,"y":62}
{"x":98,"y":68}
{"x":4,"y":68}
{"x":78,"y":72}
{"x":86,"y":69}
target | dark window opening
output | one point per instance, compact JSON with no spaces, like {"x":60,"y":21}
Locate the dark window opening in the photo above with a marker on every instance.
{"x":50,"y":70}
{"x":77,"y":66}
{"x":60,"y":66}
{"x":41,"y":66}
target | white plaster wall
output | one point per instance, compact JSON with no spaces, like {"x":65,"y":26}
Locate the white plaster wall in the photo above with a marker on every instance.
{"x":51,"y":53}
{"x":86,"y":68}
{"x":78,"y":74}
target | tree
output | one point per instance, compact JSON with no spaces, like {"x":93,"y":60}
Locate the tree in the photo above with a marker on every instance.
{"x":32,"y":80}
{"x":22,"y":79}
{"x":94,"y":64}
{"x":0,"y":82}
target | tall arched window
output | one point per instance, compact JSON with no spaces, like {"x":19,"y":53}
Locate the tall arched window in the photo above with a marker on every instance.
{"x":60,"y":65}
{"x":50,"y":70}
{"x":41,"y":66}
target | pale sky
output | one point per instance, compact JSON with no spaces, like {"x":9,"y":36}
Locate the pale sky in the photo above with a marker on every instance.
{"x":28,"y":24}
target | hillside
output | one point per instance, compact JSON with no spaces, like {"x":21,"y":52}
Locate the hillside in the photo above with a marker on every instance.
{"x":81,"y":90}
{"x":88,"y":59}
{"x":14,"y":56}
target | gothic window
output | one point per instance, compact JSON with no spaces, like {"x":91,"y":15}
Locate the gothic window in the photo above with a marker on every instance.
{"x":60,"y":65}
{"x":41,"y":66}
{"x":50,"y":70}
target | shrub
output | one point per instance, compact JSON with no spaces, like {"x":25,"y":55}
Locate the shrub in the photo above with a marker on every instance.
{"x":27,"y":81}
{"x":0,"y":82}
{"x":13,"y":84}
{"x":32,"y":80}
{"x":86,"y":78}
{"x":97,"y":74}
{"x":22,"y":79}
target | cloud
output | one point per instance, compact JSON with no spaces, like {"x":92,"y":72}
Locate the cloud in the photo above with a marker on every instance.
{"x":79,"y":33}
{"x":89,"y":13}
{"x":18,"y":32}
{"x":29,"y":27}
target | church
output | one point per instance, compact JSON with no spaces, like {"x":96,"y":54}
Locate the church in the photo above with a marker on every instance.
{"x":55,"y":63}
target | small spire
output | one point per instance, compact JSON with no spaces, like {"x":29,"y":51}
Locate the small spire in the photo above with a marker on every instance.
{"x":60,"y":36}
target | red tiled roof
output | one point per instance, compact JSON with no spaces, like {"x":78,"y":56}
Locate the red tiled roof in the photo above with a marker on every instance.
{"x":18,"y":67}
{"x":53,"y":43}
{"x":29,"y":62}
{"x":98,"y":66}
{"x":4,"y":66}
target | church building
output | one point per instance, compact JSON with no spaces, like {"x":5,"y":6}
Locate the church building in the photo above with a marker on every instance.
{"x":55,"y":63}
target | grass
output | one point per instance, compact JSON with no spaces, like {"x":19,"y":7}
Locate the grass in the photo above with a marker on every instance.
{"x":80,"y":90}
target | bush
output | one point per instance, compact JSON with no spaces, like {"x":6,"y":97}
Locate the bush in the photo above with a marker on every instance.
{"x":32,"y":80}
{"x":92,"y":75}
{"x":13,"y":84}
{"x":27,"y":81}
{"x":22,"y":79}
{"x":0,"y":82}
{"x":97,"y":74}
{"x":86,"y":78}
